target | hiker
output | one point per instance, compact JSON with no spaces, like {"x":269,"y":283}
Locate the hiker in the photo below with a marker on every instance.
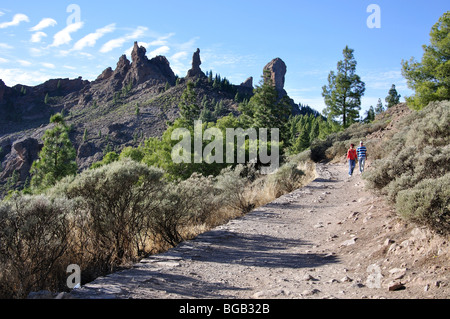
{"x":351,"y":156}
{"x":361,"y":151}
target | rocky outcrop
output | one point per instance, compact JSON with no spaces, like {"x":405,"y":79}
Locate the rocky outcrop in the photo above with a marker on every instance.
{"x":24,"y":152}
{"x":195,"y":71}
{"x":276,"y":71}
{"x":2,"y":90}
{"x":248,"y":83}
{"x":106,"y":74}
{"x":142,"y":69}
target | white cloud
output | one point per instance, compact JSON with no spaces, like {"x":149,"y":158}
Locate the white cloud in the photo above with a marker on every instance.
{"x":63,"y":36}
{"x":45,"y":23}
{"x":48,"y":65}
{"x":119,"y":42}
{"x":180,"y":55}
{"x":159,"y":51}
{"x":5,"y":46}
{"x":2,"y":60}
{"x":92,"y":38}
{"x":37,"y":37}
{"x":17,"y":19}
{"x":24,"y":62}
{"x":12,"y":77}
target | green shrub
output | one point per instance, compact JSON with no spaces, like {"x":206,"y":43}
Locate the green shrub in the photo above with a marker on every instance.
{"x":428,"y":203}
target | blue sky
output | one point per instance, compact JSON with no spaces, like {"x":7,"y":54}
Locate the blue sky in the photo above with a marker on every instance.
{"x":47,"y":39}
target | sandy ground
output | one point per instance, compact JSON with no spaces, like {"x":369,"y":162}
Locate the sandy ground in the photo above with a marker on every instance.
{"x":330,"y":239}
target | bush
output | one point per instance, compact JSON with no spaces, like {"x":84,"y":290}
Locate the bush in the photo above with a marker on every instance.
{"x":182,"y":205}
{"x":286,"y":179}
{"x":120,"y":199}
{"x":418,"y":155}
{"x":232,"y":183}
{"x":428,"y":203}
{"x":420,"y":150}
{"x":33,"y":238}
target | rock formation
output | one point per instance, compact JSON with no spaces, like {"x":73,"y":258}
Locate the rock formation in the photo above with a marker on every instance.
{"x":196,"y":62}
{"x":24,"y":153}
{"x":143,"y":69}
{"x":277,"y":71}
{"x":248,"y":83}
{"x":2,"y":90}
{"x":106,"y":74}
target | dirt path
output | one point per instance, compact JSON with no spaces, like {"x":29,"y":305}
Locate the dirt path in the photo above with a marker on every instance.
{"x":331,"y":239}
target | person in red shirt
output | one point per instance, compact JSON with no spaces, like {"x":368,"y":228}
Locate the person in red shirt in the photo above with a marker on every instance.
{"x":351,"y":156}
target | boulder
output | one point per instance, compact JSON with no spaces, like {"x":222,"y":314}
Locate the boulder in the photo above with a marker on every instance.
{"x":24,"y":152}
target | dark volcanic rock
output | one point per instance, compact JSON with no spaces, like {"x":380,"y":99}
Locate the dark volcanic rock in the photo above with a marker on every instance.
{"x":248,"y":83}
{"x":23,"y":154}
{"x":2,"y":90}
{"x":143,"y":69}
{"x":106,"y":74}
{"x":196,"y":62}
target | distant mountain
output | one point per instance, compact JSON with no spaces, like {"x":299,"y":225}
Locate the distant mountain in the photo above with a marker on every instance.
{"x":103,"y":113}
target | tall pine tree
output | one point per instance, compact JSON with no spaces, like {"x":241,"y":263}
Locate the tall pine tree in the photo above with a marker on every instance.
{"x":57,"y":157}
{"x":430,"y":78}
{"x":344,"y":90}
{"x":393,"y":97}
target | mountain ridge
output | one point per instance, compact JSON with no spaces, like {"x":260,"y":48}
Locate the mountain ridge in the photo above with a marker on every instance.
{"x":102,"y":114}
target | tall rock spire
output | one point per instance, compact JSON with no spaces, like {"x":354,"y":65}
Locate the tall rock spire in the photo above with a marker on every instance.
{"x":196,"y":62}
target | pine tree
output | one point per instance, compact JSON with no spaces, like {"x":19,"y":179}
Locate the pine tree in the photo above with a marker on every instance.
{"x":57,"y":157}
{"x":430,"y":78}
{"x":344,"y":91}
{"x":267,"y":110}
{"x":379,"y":108}
{"x":393,"y":97}
{"x":370,"y":115}
{"x":189,"y":108}
{"x":315,"y":130}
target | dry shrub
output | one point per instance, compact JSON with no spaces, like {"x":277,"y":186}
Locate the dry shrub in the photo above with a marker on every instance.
{"x":33,"y":239}
{"x":183,"y":205}
{"x":119,"y":198}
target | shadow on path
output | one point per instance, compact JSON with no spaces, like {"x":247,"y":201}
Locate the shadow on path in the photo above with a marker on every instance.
{"x":259,"y":251}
